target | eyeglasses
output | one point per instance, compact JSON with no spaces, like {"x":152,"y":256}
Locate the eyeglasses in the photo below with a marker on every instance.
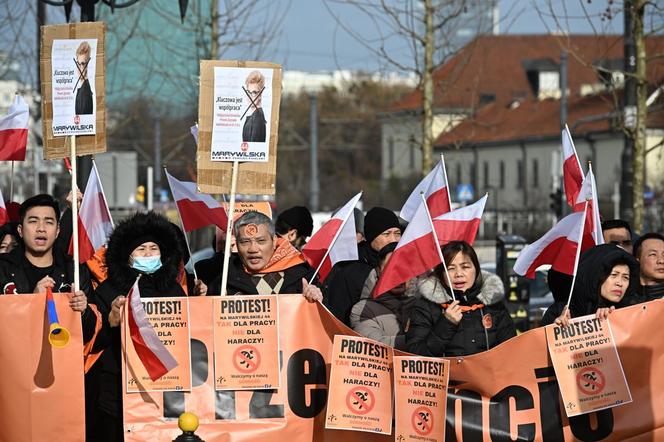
{"x":254,"y":93}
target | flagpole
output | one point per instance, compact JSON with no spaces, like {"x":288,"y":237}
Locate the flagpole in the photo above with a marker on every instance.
{"x":229,"y":228}
{"x":440,"y":252}
{"x":336,"y":235}
{"x":447,"y":184}
{"x":11,"y":184}
{"x":74,"y":213}
{"x":578,"y":254}
{"x":186,"y":240}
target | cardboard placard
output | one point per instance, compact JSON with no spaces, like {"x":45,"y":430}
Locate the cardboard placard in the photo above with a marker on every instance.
{"x":215,"y":176}
{"x":246,"y":342}
{"x":56,"y":147}
{"x":170,"y":319}
{"x":420,"y":398}
{"x":360,"y":386}
{"x":587,"y":365}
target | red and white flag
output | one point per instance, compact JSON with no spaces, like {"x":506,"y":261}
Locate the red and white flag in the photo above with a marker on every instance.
{"x":417,"y":252}
{"x":4,"y":215}
{"x":155,"y":357}
{"x":94,"y":219}
{"x":558,"y":247}
{"x":335,"y":241}
{"x":460,"y":224}
{"x":14,"y":131}
{"x":196,"y":210}
{"x":588,"y":193}
{"x":572,"y":173}
{"x":436,"y":191}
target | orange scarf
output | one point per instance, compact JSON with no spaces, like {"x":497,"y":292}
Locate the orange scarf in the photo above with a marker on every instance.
{"x":284,"y":257}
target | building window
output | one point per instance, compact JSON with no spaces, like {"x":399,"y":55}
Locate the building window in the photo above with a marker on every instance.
{"x":502,"y":175}
{"x":390,"y":153}
{"x":535,"y":173}
{"x":519,"y":174}
{"x":458,"y":174}
{"x":486,"y":175}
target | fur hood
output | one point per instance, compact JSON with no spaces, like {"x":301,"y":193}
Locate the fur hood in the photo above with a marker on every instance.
{"x":136,"y":226}
{"x":492,"y":291}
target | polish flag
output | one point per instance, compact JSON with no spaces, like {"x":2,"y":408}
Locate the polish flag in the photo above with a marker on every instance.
{"x":417,"y":252}
{"x":588,"y":193}
{"x":572,"y":174}
{"x":461,"y":224}
{"x":335,"y":241}
{"x":4,"y":215}
{"x":94,"y":219}
{"x":558,"y":247}
{"x":150,"y":350}
{"x":14,"y":131}
{"x":436,"y":191}
{"x":196,"y":210}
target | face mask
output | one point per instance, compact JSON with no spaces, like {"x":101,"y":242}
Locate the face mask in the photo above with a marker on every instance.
{"x":147,"y":264}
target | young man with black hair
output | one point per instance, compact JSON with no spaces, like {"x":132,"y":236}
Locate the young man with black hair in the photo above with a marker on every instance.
{"x":649,"y":251}
{"x":34,"y":265}
{"x":295,"y":225}
{"x":618,"y":232}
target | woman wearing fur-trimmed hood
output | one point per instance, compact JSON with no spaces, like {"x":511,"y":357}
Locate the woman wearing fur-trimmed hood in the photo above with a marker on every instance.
{"x":475,"y":320}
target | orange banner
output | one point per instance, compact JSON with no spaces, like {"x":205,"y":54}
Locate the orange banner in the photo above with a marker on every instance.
{"x":170,"y":319}
{"x":420,"y":398}
{"x":360,"y":386}
{"x":587,"y":365}
{"x":41,"y":387}
{"x":246,"y":342}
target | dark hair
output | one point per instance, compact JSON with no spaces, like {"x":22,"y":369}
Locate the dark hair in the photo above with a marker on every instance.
{"x":605,"y":272}
{"x":639,"y":242}
{"x":41,"y":200}
{"x":9,"y":229}
{"x":281,"y":227}
{"x":616,"y":224}
{"x":450,"y":251}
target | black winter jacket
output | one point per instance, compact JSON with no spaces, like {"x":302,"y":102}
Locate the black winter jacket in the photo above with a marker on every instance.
{"x":431,"y":334}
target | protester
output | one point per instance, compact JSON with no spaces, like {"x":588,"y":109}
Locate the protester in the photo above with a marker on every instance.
{"x":649,"y":250}
{"x":295,"y":225}
{"x":210,"y":268}
{"x":8,"y":237}
{"x":384,"y":319}
{"x":265,"y":264}
{"x":475,"y":321}
{"x":618,"y":232}
{"x":560,"y":285}
{"x":344,"y":284}
{"x":606,"y":279}
{"x":145,"y":245}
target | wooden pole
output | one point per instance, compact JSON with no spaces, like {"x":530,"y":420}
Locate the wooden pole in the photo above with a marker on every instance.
{"x":229,"y":228}
{"x":74,"y":213}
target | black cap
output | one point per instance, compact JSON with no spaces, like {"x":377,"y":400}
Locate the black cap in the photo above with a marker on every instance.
{"x":378,"y":220}
{"x":298,"y":218}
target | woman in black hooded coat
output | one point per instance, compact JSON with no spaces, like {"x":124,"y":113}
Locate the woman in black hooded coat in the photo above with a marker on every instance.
{"x":145,"y":244}
{"x":606,"y":279}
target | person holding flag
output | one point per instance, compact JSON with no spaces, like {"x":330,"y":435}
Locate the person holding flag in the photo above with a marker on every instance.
{"x":467,"y":318}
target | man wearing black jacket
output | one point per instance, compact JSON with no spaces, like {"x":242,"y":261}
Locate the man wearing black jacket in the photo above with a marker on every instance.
{"x":34,"y":265}
{"x":345,"y":282}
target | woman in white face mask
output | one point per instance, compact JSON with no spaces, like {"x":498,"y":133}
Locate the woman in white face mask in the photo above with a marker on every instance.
{"x":144,"y":246}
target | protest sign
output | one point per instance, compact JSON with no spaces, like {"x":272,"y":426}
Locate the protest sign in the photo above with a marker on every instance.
{"x":222,"y":125}
{"x":73,"y":88}
{"x":170,"y":319}
{"x":246,"y":342}
{"x":587,"y":365}
{"x":361,"y":386}
{"x":420,"y":398}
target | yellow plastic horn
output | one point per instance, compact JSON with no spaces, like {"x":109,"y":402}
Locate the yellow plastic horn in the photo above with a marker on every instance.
{"x":58,"y":336}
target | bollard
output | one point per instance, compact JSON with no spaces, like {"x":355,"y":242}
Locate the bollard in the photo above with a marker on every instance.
{"x":188,"y":423}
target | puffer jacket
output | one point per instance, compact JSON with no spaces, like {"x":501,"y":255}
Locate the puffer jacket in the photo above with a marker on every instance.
{"x":486,"y":324}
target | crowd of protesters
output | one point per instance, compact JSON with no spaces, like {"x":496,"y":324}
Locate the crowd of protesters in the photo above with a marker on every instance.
{"x":452,"y":310}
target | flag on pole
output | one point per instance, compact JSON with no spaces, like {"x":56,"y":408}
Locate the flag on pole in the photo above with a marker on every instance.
{"x":155,"y":357}
{"x":572,"y":173}
{"x":557,"y":247}
{"x":196,"y":210}
{"x":94,"y":219}
{"x":14,"y":131}
{"x":460,"y":224}
{"x":588,"y":192}
{"x":417,"y":252}
{"x":335,"y":241}
{"x":436,"y":191}
{"x":4,"y":214}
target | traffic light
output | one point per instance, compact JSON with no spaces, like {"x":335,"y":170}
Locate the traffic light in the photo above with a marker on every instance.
{"x":557,"y":202}
{"x":140,"y":194}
